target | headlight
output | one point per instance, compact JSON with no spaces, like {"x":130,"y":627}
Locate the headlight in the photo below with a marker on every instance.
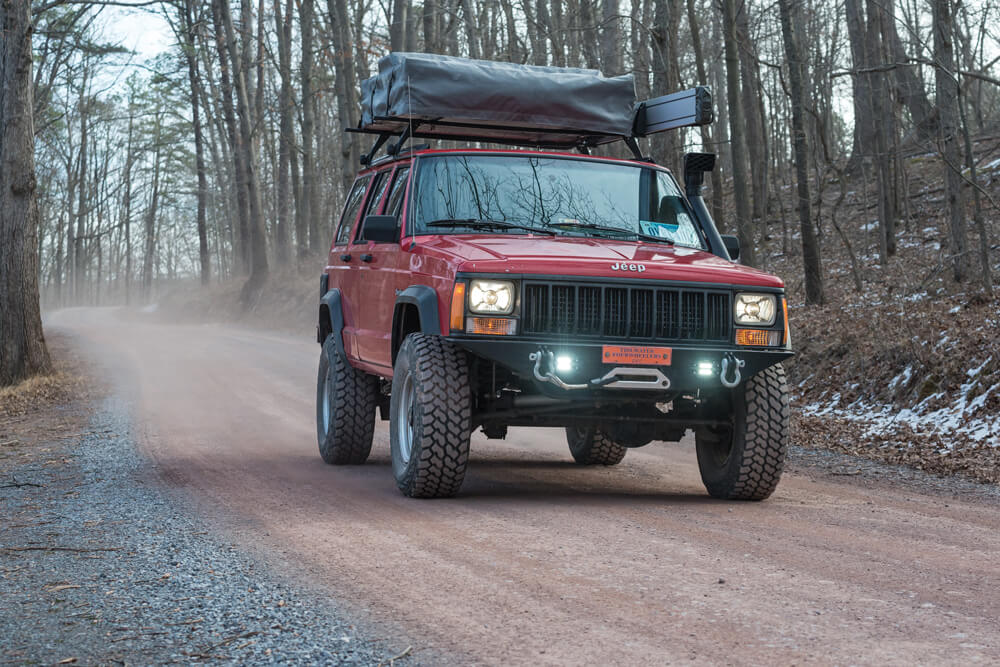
{"x":755,"y":309}
{"x":491,"y":296}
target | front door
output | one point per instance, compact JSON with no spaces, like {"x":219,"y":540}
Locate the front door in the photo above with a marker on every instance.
{"x":378,"y":264}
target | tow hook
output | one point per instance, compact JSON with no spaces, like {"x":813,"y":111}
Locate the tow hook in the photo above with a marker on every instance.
{"x":730,"y":360}
{"x":616,"y":378}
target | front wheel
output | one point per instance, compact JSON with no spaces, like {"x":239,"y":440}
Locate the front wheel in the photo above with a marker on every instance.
{"x":430,"y":414}
{"x":743,"y":461}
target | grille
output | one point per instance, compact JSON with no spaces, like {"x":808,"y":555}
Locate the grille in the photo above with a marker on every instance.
{"x":626,"y":311}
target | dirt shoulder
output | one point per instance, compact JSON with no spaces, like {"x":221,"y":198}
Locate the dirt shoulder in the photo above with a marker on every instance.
{"x":99,"y":566}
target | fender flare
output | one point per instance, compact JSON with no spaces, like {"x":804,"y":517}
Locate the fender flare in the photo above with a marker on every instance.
{"x":331,"y":322}
{"x":425,"y":300}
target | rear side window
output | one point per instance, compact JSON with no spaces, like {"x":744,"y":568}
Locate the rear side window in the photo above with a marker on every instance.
{"x":377,"y":190}
{"x":351,"y":210}
{"x":380,"y":187}
{"x":395,"y":205}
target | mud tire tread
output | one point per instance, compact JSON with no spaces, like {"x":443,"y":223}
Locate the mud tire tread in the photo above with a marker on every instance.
{"x":354,"y":397}
{"x":591,"y":446}
{"x":443,"y":419}
{"x":762,"y":428}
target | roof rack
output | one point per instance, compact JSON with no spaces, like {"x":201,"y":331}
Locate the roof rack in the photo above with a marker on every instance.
{"x":441,"y":97}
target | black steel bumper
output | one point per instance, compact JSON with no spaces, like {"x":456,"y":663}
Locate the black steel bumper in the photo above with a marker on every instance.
{"x":685,"y":374}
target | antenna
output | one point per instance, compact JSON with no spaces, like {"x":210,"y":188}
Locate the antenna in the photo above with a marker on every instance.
{"x":409,"y":103}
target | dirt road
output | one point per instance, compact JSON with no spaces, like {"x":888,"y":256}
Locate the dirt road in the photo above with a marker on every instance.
{"x":539,"y":561}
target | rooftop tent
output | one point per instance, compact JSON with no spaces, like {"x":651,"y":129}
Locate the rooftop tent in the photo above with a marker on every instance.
{"x":444,"y":97}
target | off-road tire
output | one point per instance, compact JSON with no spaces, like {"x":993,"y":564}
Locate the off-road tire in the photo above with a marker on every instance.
{"x":744,"y":461}
{"x":590,"y":446}
{"x":352,"y":396}
{"x":441,"y":420}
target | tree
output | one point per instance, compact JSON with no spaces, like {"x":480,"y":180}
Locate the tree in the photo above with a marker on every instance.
{"x":946,"y":81}
{"x":23,"y":352}
{"x":744,"y":223}
{"x":810,"y":249}
{"x":258,"y":234}
{"x":188,"y":35}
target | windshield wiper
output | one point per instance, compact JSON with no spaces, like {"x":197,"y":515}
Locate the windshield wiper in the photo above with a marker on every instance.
{"x":592,"y":227}
{"x":613,"y":230}
{"x":479,"y":223}
{"x":655,"y":239}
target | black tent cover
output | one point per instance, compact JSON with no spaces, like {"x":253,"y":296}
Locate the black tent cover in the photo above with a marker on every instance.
{"x":444,"y":97}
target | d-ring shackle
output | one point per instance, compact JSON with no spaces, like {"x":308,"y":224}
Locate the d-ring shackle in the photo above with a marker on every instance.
{"x":730,"y":360}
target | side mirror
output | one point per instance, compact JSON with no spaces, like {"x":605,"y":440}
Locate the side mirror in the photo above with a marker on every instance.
{"x":732,"y":244}
{"x":379,"y":228}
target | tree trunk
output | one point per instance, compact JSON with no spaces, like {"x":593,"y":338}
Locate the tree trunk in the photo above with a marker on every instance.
{"x":947,"y":102}
{"x":706,"y":130}
{"x":286,"y":138}
{"x":199,"y":141}
{"x":149,"y":249}
{"x":744,"y":223}
{"x":22,"y":344}
{"x":810,"y":248}
{"x":258,"y":232}
{"x":611,"y":39}
{"x":84,"y":201}
{"x":309,"y":199}
{"x":241,"y":238}
{"x":857,"y":31}
{"x":756,"y":142}
{"x":347,"y":95}
{"x":397,"y":26}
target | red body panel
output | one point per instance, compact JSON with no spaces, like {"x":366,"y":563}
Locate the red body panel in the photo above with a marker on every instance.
{"x":588,"y":257}
{"x":369,"y":288}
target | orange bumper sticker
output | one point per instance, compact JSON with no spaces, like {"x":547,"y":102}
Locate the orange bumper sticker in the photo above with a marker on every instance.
{"x":636,"y":355}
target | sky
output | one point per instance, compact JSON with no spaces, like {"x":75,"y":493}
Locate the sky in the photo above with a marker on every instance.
{"x":144,"y":31}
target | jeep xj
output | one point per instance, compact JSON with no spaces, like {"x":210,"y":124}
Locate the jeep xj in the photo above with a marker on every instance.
{"x":493,"y":288}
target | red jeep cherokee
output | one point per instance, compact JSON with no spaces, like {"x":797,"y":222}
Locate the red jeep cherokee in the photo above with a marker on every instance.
{"x":485,"y":289}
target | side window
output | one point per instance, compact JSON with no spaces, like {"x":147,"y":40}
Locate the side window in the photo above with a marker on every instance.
{"x":351,"y":209}
{"x":378,"y":190}
{"x":395,"y":205}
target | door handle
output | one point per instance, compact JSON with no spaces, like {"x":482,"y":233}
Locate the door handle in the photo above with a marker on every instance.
{"x":345,"y":257}
{"x":366,"y":258}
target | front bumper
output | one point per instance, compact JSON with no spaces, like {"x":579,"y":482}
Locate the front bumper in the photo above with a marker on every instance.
{"x":589,"y":374}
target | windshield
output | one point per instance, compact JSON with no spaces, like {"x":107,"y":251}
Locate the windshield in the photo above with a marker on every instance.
{"x":478,"y":193}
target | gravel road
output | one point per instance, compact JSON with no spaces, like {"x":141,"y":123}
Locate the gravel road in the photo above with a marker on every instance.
{"x":99,"y":566}
{"x":538,"y":561}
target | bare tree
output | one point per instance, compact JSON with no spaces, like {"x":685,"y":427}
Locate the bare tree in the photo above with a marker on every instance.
{"x":946,"y":81}
{"x":744,"y":223}
{"x":22,"y":344}
{"x":810,"y":248}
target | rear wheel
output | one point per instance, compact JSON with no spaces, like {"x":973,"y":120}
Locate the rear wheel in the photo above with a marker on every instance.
{"x":345,"y":408}
{"x":430,"y":416}
{"x":744,"y":461}
{"x":589,"y":446}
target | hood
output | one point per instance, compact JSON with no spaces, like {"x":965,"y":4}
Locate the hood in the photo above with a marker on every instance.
{"x":590,"y":257}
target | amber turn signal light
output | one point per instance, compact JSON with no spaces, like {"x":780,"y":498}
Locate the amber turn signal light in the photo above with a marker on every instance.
{"x":496,"y":326}
{"x":458,"y":306}
{"x":759,"y":337}
{"x":787,"y":337}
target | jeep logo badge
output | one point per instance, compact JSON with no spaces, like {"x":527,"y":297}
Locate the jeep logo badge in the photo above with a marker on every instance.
{"x":618,"y":266}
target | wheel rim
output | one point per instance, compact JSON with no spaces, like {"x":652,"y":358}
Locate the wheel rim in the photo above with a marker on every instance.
{"x":722,"y":447}
{"x":404,"y":425}
{"x":326,"y":402}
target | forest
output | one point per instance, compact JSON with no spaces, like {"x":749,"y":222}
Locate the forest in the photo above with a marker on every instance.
{"x":857,"y":144}
{"x":227,"y":156}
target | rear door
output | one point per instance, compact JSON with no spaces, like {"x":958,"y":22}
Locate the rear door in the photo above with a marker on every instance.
{"x":340,"y":265}
{"x":379,"y":268}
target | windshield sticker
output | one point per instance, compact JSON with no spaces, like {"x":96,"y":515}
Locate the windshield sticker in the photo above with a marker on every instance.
{"x":567,"y":221}
{"x":658,"y":229}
